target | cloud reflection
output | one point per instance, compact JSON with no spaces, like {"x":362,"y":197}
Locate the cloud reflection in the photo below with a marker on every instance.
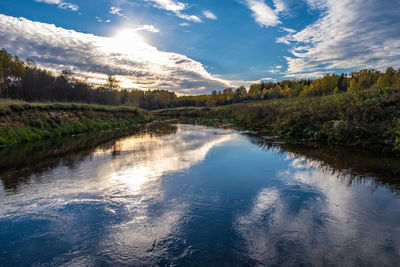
{"x":187,"y":194}
{"x":122,"y":187}
{"x":313,"y":217}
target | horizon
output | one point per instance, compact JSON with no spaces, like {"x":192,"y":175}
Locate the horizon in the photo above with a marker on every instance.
{"x":195,"y":48}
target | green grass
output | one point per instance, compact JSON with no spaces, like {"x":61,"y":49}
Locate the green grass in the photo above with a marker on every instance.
{"x":24,"y":122}
{"x":16,"y":105}
{"x":365,"y":119}
{"x":361,"y":119}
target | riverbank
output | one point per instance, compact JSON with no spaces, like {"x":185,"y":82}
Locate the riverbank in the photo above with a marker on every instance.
{"x":368,"y":119}
{"x":22,"y":122}
{"x":365,"y":119}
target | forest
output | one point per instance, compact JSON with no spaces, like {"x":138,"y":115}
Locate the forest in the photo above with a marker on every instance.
{"x":24,"y":80}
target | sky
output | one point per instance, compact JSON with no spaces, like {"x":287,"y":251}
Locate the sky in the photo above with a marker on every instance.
{"x":196,"y":46}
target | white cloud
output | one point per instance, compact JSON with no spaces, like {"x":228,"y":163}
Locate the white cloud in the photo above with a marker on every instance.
{"x":60,"y":4}
{"x":283,"y":40}
{"x":263,"y":14}
{"x":276,"y":69}
{"x":127,"y":56}
{"x":279,"y":5}
{"x":267,"y":79}
{"x":149,"y":28}
{"x":176,"y":7}
{"x":350,"y":34}
{"x":317,"y":4}
{"x":208,"y":14}
{"x":189,"y":17}
{"x":73,"y":7}
{"x":184,"y":24}
{"x":56,"y":2}
{"x":117,"y":11}
{"x":245,"y":83}
{"x":169,"y":5}
{"x":306,"y":75}
{"x":288,"y":30}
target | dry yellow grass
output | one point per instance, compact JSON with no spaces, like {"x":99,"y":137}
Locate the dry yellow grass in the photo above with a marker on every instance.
{"x":7,"y":101}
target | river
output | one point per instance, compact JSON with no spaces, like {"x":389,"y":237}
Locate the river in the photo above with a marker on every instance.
{"x":186,"y":195}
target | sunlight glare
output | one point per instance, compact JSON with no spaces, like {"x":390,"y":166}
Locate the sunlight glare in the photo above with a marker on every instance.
{"x":126,"y":41}
{"x":133,"y":178}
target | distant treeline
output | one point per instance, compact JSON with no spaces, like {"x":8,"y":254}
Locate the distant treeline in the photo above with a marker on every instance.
{"x":25,"y":81}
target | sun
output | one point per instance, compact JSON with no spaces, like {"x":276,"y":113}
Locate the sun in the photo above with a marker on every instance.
{"x":125,"y":41}
{"x":128,"y":45}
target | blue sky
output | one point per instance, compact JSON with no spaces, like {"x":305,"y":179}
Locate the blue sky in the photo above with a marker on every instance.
{"x":194,"y":47}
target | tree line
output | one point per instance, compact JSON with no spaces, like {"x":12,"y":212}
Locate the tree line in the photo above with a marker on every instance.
{"x":25,"y":81}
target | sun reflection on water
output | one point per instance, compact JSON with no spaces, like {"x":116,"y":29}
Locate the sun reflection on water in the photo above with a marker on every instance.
{"x":193,"y":194}
{"x":145,"y":159}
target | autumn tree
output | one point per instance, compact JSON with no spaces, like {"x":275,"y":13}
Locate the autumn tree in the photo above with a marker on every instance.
{"x":388,"y":78}
{"x":112,"y":83}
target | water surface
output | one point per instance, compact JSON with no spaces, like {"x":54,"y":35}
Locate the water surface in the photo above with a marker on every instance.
{"x":190,"y":195}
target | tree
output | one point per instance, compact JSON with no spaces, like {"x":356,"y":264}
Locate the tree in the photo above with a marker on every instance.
{"x":353,"y":85}
{"x":397,"y":79}
{"x":286,"y":91}
{"x":112,"y":82}
{"x":308,"y":90}
{"x":329,"y":83}
{"x":342,"y":83}
{"x":5,"y":70}
{"x":25,"y":81}
{"x":241,"y":91}
{"x":228,"y":91}
{"x":274,"y":92}
{"x":387,"y":79}
{"x":255,"y":89}
{"x":68,"y":76}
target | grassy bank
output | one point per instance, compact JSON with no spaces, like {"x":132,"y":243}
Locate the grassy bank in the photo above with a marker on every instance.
{"x":365,"y":119}
{"x":23,"y":122}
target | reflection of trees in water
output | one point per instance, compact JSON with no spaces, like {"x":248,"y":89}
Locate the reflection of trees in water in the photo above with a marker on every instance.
{"x":350,"y":166}
{"x":19,"y":163}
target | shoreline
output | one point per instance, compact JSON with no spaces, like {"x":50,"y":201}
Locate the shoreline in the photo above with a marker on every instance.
{"x":27,"y":122}
{"x":368,"y":119}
